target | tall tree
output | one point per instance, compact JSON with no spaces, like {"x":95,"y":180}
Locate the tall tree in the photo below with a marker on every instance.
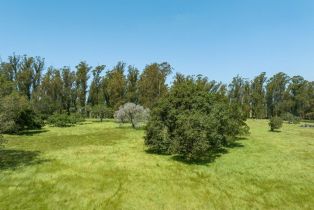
{"x":239,"y":93}
{"x":38,"y":66}
{"x":82,"y":77}
{"x":6,"y":82}
{"x":25,"y":76}
{"x":114,"y":86}
{"x":310,"y":109}
{"x":298,"y":96}
{"x":14,"y":62}
{"x":68,"y":78}
{"x":94,"y":97}
{"x":275,"y":96}
{"x":132,"y":84}
{"x":258,"y":101}
{"x":152,"y":83}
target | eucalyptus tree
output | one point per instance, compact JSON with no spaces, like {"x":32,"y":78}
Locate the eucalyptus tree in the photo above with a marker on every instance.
{"x":38,"y":68}
{"x":239,"y":93}
{"x":152,"y":84}
{"x":298,"y":96}
{"x":94,"y":97}
{"x":258,"y":94}
{"x":132,"y":94}
{"x":24,"y":76}
{"x":68,"y":87}
{"x":82,"y":76}
{"x":276,"y":94}
{"x":114,"y":86}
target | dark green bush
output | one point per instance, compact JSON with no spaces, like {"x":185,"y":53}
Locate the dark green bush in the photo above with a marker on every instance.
{"x":290,"y":118}
{"x":17,"y":115}
{"x":191,"y":121}
{"x":2,"y":140}
{"x":309,"y":116}
{"x":102,"y":111}
{"x":275,"y":123}
{"x":64,"y":120}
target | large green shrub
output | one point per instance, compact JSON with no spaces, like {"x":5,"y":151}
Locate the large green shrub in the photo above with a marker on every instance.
{"x":64,"y":120}
{"x":17,"y":115}
{"x":309,"y":116}
{"x":290,"y":118}
{"x":275,"y":123}
{"x":191,"y":121}
{"x":2,"y":140}
{"x":102,"y":111}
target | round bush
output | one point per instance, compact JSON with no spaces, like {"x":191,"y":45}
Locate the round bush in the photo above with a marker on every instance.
{"x":275,"y":123}
{"x":191,"y":121}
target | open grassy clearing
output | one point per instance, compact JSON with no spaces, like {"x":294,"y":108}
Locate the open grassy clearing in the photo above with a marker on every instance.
{"x":104,"y":166}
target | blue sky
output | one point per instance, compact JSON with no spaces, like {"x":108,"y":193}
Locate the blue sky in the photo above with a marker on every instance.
{"x":216,"y":38}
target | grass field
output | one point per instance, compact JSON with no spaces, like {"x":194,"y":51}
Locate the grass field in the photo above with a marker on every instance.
{"x":104,"y":166}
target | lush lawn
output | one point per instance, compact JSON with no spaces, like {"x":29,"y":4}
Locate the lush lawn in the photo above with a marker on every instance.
{"x":102,"y":166}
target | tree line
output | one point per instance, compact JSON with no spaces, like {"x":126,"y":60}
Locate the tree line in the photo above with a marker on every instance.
{"x":35,"y":92}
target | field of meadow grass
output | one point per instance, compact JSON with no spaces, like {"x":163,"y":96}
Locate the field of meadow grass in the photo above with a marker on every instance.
{"x":105,"y":166}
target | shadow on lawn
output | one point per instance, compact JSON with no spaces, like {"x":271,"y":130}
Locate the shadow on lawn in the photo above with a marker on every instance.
{"x":31,"y":132}
{"x":11,"y":159}
{"x":211,"y":157}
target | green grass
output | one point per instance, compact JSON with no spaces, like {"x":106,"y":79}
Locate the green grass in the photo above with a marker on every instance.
{"x":104,"y":166}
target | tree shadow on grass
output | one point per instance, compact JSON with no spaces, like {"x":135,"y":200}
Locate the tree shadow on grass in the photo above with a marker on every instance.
{"x":11,"y":159}
{"x":127,"y":127}
{"x":209,"y":158}
{"x":275,"y":131}
{"x":31,"y":132}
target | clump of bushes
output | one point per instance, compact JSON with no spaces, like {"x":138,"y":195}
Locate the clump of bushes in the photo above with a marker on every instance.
{"x":131,"y":113}
{"x":290,"y":118}
{"x":307,"y":126}
{"x":102,"y":111}
{"x":192,"y":122}
{"x":16,"y":114}
{"x":275,"y":123}
{"x":64,"y":120}
{"x":2,"y":140}
{"x":309,"y":116}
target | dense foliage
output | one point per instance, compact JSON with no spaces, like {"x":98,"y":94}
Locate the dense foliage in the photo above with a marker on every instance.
{"x":275,"y":123}
{"x":290,"y":118}
{"x":193,"y":119}
{"x":131,"y":113}
{"x":2,"y":140}
{"x":38,"y":92}
{"x":102,"y":112}
{"x":16,"y":114}
{"x":64,"y":120}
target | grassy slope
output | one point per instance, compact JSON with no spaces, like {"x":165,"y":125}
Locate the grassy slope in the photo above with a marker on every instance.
{"x":102,"y":166}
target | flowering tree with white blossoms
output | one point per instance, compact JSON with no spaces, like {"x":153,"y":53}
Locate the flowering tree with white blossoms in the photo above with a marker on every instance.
{"x":131,"y":113}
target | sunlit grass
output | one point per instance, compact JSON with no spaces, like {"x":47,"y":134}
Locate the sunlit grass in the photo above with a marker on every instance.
{"x":105,"y":166}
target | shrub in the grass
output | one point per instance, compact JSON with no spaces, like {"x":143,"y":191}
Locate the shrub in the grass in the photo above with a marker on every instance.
{"x":309,"y":116}
{"x":64,"y":120}
{"x":192,"y":121}
{"x":76,"y":118}
{"x":102,"y":111}
{"x":290,"y":118}
{"x":2,"y":140}
{"x":131,"y":113}
{"x":16,"y":114}
{"x":275,"y":123}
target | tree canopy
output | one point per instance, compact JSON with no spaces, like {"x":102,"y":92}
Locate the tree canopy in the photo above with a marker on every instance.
{"x":191,"y":121}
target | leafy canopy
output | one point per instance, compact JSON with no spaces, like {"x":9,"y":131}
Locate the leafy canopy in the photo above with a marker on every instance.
{"x":275,"y":123}
{"x":191,"y":120}
{"x":132,"y":113}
